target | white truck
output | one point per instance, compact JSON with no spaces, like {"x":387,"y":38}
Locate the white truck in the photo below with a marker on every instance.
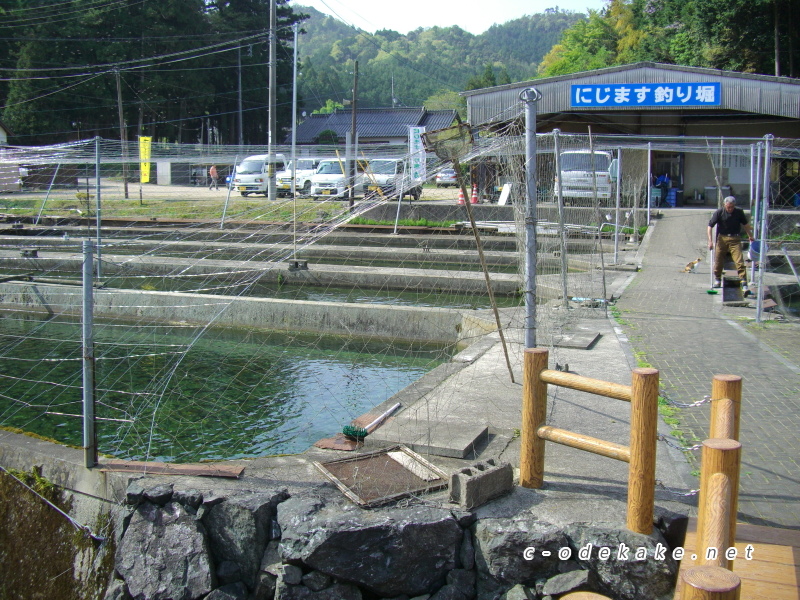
{"x":330,"y":180}
{"x":389,"y":176}
{"x":306,"y":167}
{"x":252,"y":174}
{"x":581,"y":171}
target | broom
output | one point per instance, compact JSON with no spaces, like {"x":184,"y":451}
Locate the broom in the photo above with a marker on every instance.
{"x":359,"y":433}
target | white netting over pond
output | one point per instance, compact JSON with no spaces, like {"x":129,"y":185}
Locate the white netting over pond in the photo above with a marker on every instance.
{"x":230,"y":325}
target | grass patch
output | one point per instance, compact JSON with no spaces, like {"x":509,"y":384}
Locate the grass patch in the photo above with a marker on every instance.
{"x":788,"y":237}
{"x":166,"y":208}
{"x":404,"y":222}
{"x":640,"y":361}
{"x":616,"y":314}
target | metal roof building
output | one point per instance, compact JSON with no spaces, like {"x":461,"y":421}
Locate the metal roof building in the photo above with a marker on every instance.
{"x":374,"y":125}
{"x":650,"y":99}
{"x":646,"y":101}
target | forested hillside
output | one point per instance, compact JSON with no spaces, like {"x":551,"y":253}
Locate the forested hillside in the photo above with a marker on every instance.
{"x":425,"y":66}
{"x":735,"y":35}
{"x":175,"y":66}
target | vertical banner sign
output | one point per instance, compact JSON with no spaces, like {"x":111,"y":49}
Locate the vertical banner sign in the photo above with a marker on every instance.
{"x":416,"y":151}
{"x":144,"y":158}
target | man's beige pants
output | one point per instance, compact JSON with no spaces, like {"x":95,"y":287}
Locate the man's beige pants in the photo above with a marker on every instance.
{"x":729,"y":244}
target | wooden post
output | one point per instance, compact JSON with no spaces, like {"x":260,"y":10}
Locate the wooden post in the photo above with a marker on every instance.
{"x":584,"y":596}
{"x":642,"y":471}
{"x":716,"y":534}
{"x":534,"y":413}
{"x":709,"y":583}
{"x":724,"y":419}
{"x":725,"y":414}
{"x":719,"y":456}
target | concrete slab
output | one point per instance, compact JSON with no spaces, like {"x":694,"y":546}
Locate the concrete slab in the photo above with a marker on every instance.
{"x":582,"y":340}
{"x":449,"y":438}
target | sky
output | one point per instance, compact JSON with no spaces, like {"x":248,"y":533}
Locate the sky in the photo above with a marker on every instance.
{"x":475,"y":16}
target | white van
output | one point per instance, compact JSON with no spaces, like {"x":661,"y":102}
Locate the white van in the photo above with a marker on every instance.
{"x":388,"y":176}
{"x":581,"y":171}
{"x":331,"y":181}
{"x":306,"y":167}
{"x":252,"y":174}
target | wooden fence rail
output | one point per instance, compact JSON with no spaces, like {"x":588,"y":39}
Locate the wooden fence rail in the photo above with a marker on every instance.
{"x":640,"y":454}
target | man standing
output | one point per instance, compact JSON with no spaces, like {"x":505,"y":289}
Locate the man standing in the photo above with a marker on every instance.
{"x":212,"y":173}
{"x":729,"y":221}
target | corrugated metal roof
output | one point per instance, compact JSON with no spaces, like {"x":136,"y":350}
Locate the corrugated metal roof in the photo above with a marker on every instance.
{"x":741,"y":92}
{"x":373,"y":122}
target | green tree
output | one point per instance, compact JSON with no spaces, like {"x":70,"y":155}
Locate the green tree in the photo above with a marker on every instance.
{"x":447,"y":100}
{"x":327,"y":137}
{"x":330,"y":106}
{"x":587,"y":45}
{"x":65,"y":62}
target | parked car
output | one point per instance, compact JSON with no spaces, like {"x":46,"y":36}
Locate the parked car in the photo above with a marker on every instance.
{"x":252,"y":174}
{"x":306,"y":167}
{"x":388,"y":176}
{"x":330,"y":180}
{"x":446,"y":177}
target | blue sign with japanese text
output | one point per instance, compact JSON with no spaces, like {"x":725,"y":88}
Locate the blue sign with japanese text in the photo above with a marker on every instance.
{"x":647,"y":94}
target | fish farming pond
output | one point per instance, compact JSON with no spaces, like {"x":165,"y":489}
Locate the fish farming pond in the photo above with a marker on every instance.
{"x":184,"y":393}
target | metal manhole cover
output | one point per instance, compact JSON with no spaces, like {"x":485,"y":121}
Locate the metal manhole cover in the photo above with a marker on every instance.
{"x":379,"y":477}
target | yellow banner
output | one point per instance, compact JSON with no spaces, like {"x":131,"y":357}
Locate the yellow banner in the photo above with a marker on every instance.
{"x":144,"y":158}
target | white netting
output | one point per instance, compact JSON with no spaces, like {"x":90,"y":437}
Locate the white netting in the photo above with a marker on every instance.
{"x":213,"y":341}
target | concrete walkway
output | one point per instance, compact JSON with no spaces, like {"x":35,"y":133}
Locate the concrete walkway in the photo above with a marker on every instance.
{"x":690,"y":336}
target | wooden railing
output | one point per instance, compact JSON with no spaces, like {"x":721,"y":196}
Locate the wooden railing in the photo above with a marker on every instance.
{"x":719,"y":473}
{"x":712,"y":578}
{"x":640,"y":454}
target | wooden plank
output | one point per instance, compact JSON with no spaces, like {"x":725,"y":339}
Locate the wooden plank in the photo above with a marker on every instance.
{"x":767,"y":535}
{"x":772,"y":574}
{"x":157,"y":468}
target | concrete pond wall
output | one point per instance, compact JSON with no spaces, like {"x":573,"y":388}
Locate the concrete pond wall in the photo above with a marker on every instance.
{"x":406,"y":323}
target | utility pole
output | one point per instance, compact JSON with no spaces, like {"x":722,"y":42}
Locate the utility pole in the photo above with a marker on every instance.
{"x":353,"y":137}
{"x":776,"y":32}
{"x":123,"y":134}
{"x":272,"y":101}
{"x":241,"y":128}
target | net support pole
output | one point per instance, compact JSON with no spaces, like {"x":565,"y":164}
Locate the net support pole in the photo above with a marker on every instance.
{"x":272,"y":127}
{"x":484,"y":268}
{"x":530,"y":96}
{"x":294,"y":142}
{"x":562,"y":229}
{"x":762,"y":255}
{"x":89,"y":437}
{"x":757,"y":201}
{"x":618,"y":206}
{"x":228,"y":195}
{"x":47,"y":195}
{"x":649,"y":177}
{"x":97,"y":201}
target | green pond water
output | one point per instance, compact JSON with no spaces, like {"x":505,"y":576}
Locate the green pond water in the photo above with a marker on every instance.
{"x":186,"y":394}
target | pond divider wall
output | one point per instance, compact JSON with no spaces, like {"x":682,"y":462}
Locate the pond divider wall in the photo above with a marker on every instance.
{"x":402,"y":323}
